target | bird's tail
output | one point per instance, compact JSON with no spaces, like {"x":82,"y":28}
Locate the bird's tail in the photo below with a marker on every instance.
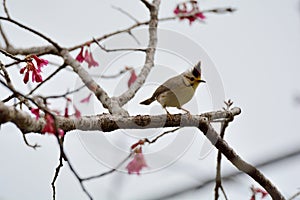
{"x":148,"y":101}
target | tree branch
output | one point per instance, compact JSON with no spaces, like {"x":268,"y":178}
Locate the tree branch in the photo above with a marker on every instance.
{"x":99,"y":92}
{"x":125,"y":13}
{"x":6,"y":41}
{"x":230,"y":176}
{"x":150,"y":53}
{"x":5,"y":9}
{"x":107,"y":122}
{"x":33,"y":31}
{"x":237,"y":161}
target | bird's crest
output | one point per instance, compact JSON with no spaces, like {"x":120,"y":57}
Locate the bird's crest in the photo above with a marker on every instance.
{"x":197,"y":70}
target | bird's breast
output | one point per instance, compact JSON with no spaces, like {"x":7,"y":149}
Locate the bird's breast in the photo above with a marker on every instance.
{"x":176,"y":97}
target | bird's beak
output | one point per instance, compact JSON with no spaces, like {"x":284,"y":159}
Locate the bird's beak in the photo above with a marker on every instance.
{"x":203,"y":81}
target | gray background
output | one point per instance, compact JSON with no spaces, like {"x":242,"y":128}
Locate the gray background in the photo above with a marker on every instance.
{"x":256,"y":52}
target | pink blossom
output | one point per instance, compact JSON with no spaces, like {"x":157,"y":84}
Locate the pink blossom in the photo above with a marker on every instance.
{"x":88,"y":57}
{"x":50,"y":127}
{"x":86,"y":99}
{"x":77,"y":112}
{"x":132,"y":78}
{"x":140,"y":142}
{"x":200,"y":15}
{"x":136,"y":164}
{"x":256,"y":191}
{"x":40,"y":62}
{"x":66,"y":115}
{"x":80,"y":57}
{"x":36,"y":76}
{"x":192,"y":14}
{"x":36,"y":112}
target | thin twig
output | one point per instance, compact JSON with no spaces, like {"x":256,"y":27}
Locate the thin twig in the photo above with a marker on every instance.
{"x":121,"y":49}
{"x":6,"y":41}
{"x":113,"y":75}
{"x":161,"y":135}
{"x":57,"y":170}
{"x":33,"y":31}
{"x":294,"y":196}
{"x":224,"y":125}
{"x":48,"y":78}
{"x":11,"y":56}
{"x":80,"y":181}
{"x":147,"y":4}
{"x":11,"y":86}
{"x":219,"y":158}
{"x":123,"y":161}
{"x":30,"y":145}
{"x":125,"y":13}
{"x":223,"y":191}
{"x":135,"y":38}
{"x":5,"y":9}
{"x":6,"y":75}
{"x":130,"y":28}
{"x":65,"y":94}
{"x":108,"y":172}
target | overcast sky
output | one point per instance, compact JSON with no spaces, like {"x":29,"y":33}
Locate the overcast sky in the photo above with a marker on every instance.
{"x":250,"y":56}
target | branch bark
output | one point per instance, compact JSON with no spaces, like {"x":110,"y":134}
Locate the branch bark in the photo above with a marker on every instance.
{"x":107,"y":123}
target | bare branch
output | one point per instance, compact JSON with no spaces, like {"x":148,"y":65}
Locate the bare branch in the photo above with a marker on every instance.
{"x":106,"y":122}
{"x":5,"y":9}
{"x":65,"y":94}
{"x":47,"y":79}
{"x":125,"y":13}
{"x":11,"y":56}
{"x":6,"y":41}
{"x":147,"y":4}
{"x":10,"y":86}
{"x":294,"y":196}
{"x":102,"y":96}
{"x":230,"y":176}
{"x":224,"y":125}
{"x":114,"y":75}
{"x":79,"y":180}
{"x":121,"y":49}
{"x":150,"y":53}
{"x":238,"y":162}
{"x":108,"y":172}
{"x":34,"y":146}
{"x":161,"y":135}
{"x":218,"y":171}
{"x":57,"y":170}
{"x":33,"y":31}
{"x":109,"y":123}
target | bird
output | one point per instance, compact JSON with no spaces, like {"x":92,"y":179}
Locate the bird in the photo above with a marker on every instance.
{"x":178,"y":90}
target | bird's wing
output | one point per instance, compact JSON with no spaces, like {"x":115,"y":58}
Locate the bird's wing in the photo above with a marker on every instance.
{"x":171,"y":84}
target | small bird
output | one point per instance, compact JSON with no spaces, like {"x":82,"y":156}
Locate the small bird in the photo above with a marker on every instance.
{"x":178,"y":90}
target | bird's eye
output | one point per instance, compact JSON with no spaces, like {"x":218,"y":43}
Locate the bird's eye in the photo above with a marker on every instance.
{"x":192,"y":79}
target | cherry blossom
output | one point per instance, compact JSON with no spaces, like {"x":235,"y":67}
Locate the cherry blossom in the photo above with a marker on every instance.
{"x":132,"y":78}
{"x":138,"y":162}
{"x":30,"y":67}
{"x":86,"y":99}
{"x":50,"y":127}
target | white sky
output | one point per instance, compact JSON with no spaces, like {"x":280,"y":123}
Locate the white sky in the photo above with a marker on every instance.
{"x":256,"y":53}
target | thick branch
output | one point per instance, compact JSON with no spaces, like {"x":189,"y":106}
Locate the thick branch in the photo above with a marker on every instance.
{"x":238,"y":162}
{"x":105,"y":122}
{"x":101,"y":95}
{"x":150,"y":53}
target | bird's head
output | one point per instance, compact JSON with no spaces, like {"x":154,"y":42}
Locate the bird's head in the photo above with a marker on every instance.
{"x":193,"y":77}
